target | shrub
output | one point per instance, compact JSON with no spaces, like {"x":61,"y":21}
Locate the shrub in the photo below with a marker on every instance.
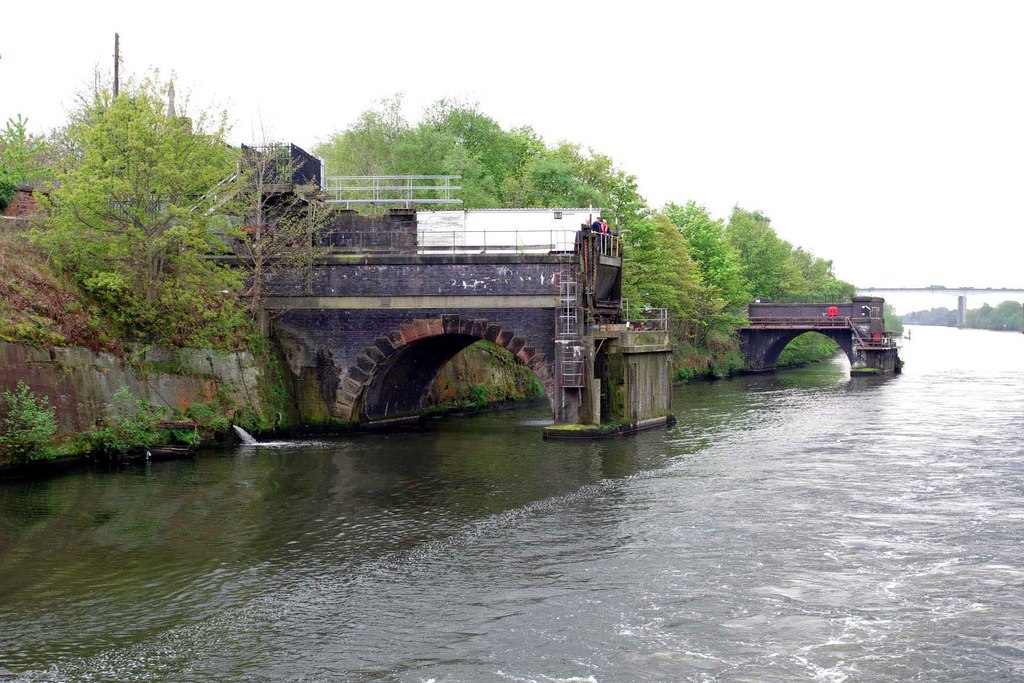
{"x":28,"y":427}
{"x":204,"y":416}
{"x":8,"y":188}
{"x":133,"y":426}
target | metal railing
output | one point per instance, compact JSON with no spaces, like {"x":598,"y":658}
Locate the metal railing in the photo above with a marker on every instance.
{"x":886,"y":342}
{"x":804,"y":299}
{"x":452,"y":241}
{"x":810,"y":323}
{"x":606,"y":244}
{"x":644,"y":317}
{"x":406,"y":190}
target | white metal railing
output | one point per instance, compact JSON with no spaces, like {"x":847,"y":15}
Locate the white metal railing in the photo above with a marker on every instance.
{"x":407,"y":190}
{"x":644,"y":317}
{"x":427,"y":241}
{"x":497,"y":241}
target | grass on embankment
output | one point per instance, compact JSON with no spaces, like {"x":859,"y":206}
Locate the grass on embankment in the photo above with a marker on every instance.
{"x":37,"y":306}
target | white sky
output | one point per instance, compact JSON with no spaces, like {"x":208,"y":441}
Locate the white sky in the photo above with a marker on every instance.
{"x":887,"y":136}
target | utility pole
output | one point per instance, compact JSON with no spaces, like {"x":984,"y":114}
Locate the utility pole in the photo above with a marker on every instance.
{"x":117,"y":60}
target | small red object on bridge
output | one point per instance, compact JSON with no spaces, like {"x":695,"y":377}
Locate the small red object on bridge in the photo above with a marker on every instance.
{"x":833,"y":311}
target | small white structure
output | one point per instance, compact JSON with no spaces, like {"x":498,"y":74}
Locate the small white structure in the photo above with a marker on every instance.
{"x":501,"y":230}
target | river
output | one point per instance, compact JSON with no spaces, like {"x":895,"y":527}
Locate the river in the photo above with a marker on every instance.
{"x":800,"y":526}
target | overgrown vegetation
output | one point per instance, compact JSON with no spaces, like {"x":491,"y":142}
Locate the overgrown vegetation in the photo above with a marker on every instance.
{"x":133,"y":425}
{"x":134,"y":217}
{"x":28,"y":427}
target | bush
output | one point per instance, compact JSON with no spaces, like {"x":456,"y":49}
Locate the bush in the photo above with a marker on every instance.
{"x":8,"y":188}
{"x":132,"y":427}
{"x":28,"y":427}
{"x":205,"y":416}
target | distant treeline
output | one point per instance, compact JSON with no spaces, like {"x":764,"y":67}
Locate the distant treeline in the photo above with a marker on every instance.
{"x":1008,"y":315}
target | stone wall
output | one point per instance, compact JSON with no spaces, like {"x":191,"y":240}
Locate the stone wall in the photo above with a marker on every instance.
{"x":80,"y":383}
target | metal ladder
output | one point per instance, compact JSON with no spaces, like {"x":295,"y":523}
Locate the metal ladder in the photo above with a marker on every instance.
{"x":568,"y":332}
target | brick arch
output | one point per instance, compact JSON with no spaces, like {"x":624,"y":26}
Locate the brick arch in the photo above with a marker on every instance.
{"x":422,"y":347}
{"x":761,"y":348}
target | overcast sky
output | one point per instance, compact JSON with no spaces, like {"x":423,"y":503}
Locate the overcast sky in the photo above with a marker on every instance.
{"x":887,"y":136}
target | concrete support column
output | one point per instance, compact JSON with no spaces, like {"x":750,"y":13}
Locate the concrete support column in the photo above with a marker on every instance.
{"x":961,"y":311}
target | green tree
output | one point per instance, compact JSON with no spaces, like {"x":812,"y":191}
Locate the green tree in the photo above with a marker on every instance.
{"x":766,"y":260}
{"x":707,"y":244}
{"x":368,"y":146}
{"x":657,"y":270}
{"x":134,"y":218}
{"x":21,"y":153}
{"x":893,"y":322}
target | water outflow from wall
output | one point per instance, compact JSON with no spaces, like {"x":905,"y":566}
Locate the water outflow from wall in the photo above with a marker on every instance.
{"x":245,"y":436}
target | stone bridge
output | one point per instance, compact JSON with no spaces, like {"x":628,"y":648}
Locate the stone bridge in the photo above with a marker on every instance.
{"x":370,"y":334}
{"x":858,"y":327}
{"x":366,"y":333}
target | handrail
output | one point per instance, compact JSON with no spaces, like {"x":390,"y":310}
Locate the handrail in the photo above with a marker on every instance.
{"x":653,"y":319}
{"x":824,"y":322}
{"x":554,"y":240}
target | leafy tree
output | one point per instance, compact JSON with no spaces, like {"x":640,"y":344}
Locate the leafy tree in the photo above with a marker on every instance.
{"x":1005,"y":316}
{"x":501,"y":154}
{"x":21,"y":153}
{"x":134,"y":217}
{"x":767,"y":261}
{"x":707,"y":244}
{"x":368,"y":146}
{"x":657,"y":270}
{"x":28,"y":427}
{"x":941,"y":316}
{"x":893,"y":322}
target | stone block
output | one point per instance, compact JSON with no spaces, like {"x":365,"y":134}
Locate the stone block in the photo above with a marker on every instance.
{"x":374,"y":354}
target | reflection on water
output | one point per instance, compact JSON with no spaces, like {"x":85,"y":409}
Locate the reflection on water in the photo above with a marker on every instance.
{"x":795,"y":526}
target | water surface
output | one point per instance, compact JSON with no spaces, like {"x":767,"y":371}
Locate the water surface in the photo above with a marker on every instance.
{"x":800,"y":526}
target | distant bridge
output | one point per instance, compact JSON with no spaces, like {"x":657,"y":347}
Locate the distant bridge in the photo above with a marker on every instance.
{"x":959,"y":292}
{"x":857,"y":327}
